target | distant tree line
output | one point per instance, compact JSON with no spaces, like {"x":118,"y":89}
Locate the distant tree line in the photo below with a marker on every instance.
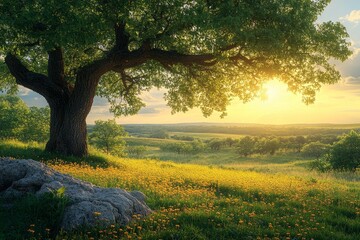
{"x":193,"y":147}
{"x":183,"y":138}
{"x":249,"y":130}
{"x":250,"y":145}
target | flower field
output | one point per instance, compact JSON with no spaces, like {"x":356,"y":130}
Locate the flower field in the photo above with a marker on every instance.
{"x":199,"y":202}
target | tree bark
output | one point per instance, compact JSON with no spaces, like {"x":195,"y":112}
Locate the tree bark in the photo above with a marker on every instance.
{"x":67,"y":131}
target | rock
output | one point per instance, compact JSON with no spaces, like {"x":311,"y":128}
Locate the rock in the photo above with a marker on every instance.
{"x":89,"y":205}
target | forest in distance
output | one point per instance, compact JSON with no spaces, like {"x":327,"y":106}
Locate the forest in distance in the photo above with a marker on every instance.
{"x":241,"y":128}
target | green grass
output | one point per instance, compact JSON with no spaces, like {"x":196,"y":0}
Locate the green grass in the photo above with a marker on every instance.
{"x":32,"y":217}
{"x":33,"y":150}
{"x":328,"y":208}
{"x":290,"y":163}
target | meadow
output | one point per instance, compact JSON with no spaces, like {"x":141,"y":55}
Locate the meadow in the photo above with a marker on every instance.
{"x":236,"y":200}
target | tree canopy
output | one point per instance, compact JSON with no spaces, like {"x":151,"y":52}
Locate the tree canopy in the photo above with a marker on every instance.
{"x":108,"y":136}
{"x":204,"y":53}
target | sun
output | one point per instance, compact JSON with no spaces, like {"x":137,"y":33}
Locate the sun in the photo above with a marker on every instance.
{"x":273,"y":90}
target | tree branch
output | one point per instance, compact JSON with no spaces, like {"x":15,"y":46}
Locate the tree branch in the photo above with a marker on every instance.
{"x":34,"y":81}
{"x":56,"y":67}
{"x":121,"y":37}
{"x":166,"y":58}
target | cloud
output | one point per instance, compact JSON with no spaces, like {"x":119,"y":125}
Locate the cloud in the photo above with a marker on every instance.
{"x":99,"y":110}
{"x":355,"y":48}
{"x":23,"y":91}
{"x":353,"y":16}
{"x":149,"y":110}
{"x":99,"y":101}
{"x":350,"y":67}
{"x":356,"y":53}
{"x":353,"y":81}
{"x":31,"y":98}
{"x":154,"y":96}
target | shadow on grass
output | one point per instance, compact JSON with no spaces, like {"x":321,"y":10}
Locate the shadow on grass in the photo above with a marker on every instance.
{"x":26,"y":218}
{"x":35,"y":151}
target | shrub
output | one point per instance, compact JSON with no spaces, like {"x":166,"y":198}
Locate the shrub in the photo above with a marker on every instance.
{"x":246,"y":146}
{"x":215,"y":144}
{"x":315,"y":149}
{"x":184,"y":148}
{"x":136,"y":151}
{"x":230,"y":142}
{"x":267,"y":146}
{"x":321,"y":164}
{"x":345,"y":154}
{"x":197,"y":146}
{"x":161,"y":134}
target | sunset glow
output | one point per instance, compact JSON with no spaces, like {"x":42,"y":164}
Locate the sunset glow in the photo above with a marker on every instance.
{"x":274,"y":91}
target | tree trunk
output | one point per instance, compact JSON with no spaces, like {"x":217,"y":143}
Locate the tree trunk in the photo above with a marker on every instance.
{"x":69,"y":106}
{"x":67,"y":132}
{"x":56,"y":122}
{"x":71,"y":139}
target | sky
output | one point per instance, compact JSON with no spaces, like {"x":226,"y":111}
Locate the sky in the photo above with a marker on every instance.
{"x":338,"y":103}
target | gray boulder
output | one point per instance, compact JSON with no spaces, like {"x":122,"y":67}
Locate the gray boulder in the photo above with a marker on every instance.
{"x":89,"y":204}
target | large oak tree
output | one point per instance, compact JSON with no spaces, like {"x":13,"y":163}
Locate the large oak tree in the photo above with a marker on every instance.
{"x":204,"y":52}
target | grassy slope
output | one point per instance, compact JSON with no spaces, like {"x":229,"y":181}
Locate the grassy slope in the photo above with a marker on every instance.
{"x":204,"y":202}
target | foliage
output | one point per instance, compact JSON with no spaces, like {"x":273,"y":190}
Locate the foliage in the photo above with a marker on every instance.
{"x":198,"y":146}
{"x":298,"y":142}
{"x":246,"y":146}
{"x":179,"y":148}
{"x":183,"y":138}
{"x":13,"y":113}
{"x":161,"y":134}
{"x":345,"y":154}
{"x":108,"y":136}
{"x":253,"y":41}
{"x":230,"y":141}
{"x":136,"y":151}
{"x":251,"y":145}
{"x":36,"y":127}
{"x":19,"y":121}
{"x":325,"y":139}
{"x":321,"y":164}
{"x":267,"y":146}
{"x":315,"y":149}
{"x":215,"y":144}
{"x":184,"y":148}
